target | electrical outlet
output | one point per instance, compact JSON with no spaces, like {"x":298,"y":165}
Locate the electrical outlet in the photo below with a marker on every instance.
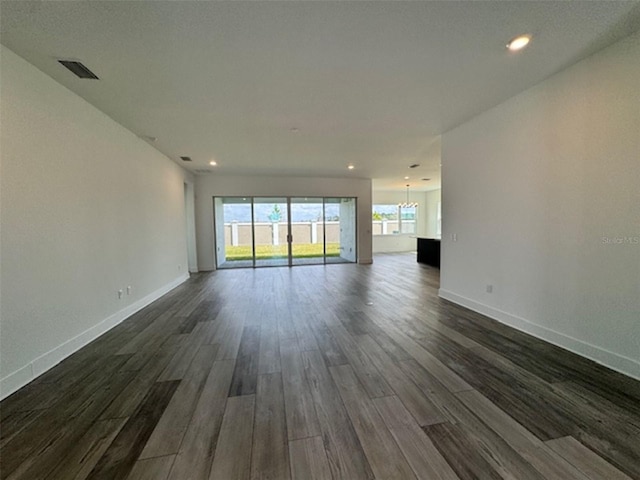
{"x":454,"y":237}
{"x":489,"y":288}
{"x":128,"y":289}
{"x":120,"y":293}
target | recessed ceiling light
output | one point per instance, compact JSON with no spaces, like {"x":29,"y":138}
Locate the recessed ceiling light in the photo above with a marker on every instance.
{"x":351,"y":167}
{"x":406,"y":178}
{"x":213,"y":163}
{"x":518,"y":43}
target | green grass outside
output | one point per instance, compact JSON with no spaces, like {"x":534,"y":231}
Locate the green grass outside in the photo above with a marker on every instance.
{"x":304,"y":250}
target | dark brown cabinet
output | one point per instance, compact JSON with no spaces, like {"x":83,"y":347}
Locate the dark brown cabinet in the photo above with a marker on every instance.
{"x":429,"y":251}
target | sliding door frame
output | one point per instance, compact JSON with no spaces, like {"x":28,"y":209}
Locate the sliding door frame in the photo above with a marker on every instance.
{"x":289,"y":230}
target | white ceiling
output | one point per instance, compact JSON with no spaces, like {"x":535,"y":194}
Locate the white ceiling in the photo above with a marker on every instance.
{"x":368,"y":83}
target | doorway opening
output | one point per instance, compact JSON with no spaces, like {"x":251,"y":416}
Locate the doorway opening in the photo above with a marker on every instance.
{"x":284,"y":231}
{"x":190,"y":225}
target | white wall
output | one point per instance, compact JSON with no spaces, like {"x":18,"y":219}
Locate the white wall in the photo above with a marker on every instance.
{"x":434,"y":197}
{"x":538,"y":190}
{"x":348,"y":230}
{"x":190,"y":214}
{"x":219,"y":231}
{"x":401,"y":242}
{"x":87,"y":208}
{"x":216,"y":185}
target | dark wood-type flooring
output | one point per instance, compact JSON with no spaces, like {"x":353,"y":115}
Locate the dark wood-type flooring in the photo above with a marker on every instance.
{"x":318,"y":372}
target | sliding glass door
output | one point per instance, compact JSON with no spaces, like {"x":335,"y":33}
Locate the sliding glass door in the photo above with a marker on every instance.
{"x":271,"y":230}
{"x":307,"y":231}
{"x":233,"y":228}
{"x":280,"y":231}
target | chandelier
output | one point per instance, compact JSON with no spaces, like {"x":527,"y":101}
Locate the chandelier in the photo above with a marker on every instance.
{"x":408,"y":204}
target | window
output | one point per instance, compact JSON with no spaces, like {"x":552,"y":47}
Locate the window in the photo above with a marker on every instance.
{"x":391,"y":219}
{"x":408,"y":219}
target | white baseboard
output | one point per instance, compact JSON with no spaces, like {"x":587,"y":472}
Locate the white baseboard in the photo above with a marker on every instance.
{"x":41,"y":364}
{"x":614,"y":361}
{"x":15,"y":380}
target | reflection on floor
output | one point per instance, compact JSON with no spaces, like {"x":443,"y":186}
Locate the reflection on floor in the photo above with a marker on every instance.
{"x":281,"y":262}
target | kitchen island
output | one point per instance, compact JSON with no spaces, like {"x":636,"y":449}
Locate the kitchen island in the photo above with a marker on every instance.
{"x":429,"y":251}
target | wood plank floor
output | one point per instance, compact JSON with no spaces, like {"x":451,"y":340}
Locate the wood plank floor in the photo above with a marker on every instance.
{"x":320,"y":372}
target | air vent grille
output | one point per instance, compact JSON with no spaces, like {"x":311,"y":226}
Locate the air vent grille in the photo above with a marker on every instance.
{"x":185,"y":159}
{"x":415,"y":165}
{"x":79,"y":69}
{"x":203,"y":172}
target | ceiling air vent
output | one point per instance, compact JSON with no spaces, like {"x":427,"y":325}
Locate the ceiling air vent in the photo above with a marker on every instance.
{"x":415,"y":165}
{"x":201,"y":171}
{"x":79,"y":69}
{"x":425,"y":179}
{"x":185,"y":159}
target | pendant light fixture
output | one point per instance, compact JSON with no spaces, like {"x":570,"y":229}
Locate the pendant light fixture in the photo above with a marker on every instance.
{"x":408,"y":204}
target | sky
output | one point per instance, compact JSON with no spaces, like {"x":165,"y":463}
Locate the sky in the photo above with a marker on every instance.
{"x":300,"y":212}
{"x":303,"y":212}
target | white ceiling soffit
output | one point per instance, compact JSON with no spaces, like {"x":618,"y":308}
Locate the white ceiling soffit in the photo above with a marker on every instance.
{"x":306,"y":88}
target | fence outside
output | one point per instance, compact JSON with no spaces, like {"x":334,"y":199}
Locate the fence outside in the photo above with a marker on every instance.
{"x":389,"y":227}
{"x":267,"y":233}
